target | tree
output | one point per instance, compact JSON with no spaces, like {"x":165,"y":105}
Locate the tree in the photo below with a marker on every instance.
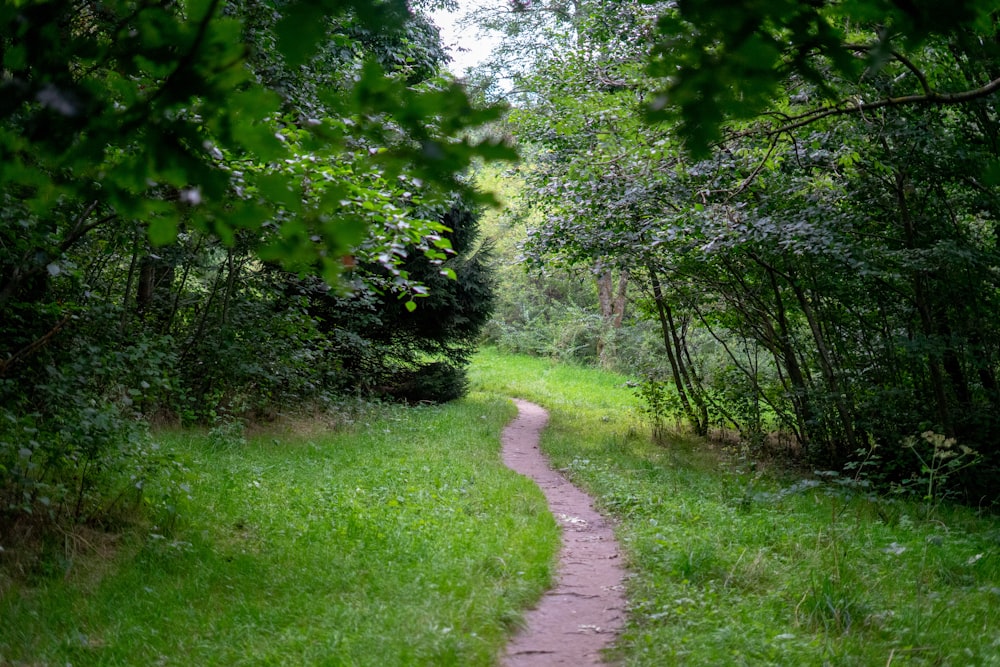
{"x":572,"y":66}
{"x":156,"y":159}
{"x":417,"y":354}
{"x":805,"y":265}
{"x":720,"y":61}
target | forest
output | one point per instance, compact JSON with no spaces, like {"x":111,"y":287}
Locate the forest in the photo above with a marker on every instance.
{"x":217,"y":210}
{"x":796,"y":206}
{"x":774,"y":224}
{"x":213,"y":211}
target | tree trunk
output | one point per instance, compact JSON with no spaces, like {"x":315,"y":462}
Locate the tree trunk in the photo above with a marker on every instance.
{"x":674,"y":356}
{"x":612,"y":302}
{"x":133,"y":263}
{"x":689,"y":374}
{"x":618,"y":305}
{"x":923,"y":307}
{"x":788,"y":358}
{"x":156,"y":279}
{"x":192,"y":258}
{"x":844,"y":412}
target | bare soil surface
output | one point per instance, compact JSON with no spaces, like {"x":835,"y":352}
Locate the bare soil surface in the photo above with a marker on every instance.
{"x":585,"y":610}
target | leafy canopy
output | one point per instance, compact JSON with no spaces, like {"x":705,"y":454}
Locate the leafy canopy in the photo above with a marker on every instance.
{"x":727,"y":60}
{"x":159,"y":112}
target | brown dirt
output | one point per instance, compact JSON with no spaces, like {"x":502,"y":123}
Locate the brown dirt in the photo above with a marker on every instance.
{"x":583,"y":613}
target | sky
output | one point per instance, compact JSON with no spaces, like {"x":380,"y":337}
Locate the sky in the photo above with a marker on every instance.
{"x":478,"y":46}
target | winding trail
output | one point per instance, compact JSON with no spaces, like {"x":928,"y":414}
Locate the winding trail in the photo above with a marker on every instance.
{"x":584,"y":611}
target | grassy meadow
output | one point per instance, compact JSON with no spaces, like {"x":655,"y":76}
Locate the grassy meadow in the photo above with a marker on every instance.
{"x":733,"y":565}
{"x":399,"y":540}
{"x":395,"y":537}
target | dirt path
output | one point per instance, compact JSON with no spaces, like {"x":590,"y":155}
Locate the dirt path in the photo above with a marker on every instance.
{"x":584,"y":611}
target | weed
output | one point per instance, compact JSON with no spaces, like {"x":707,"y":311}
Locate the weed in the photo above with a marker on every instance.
{"x":831,"y":605}
{"x":944,"y":458}
{"x":227,"y":434}
{"x":660,"y":400}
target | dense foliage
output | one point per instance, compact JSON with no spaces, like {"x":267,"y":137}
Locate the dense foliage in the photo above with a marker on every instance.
{"x":824,"y":268}
{"x":380,"y":346}
{"x":169,"y":173}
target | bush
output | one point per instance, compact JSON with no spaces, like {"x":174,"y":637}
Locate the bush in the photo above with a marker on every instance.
{"x":436,"y":382}
{"x":72,"y":441}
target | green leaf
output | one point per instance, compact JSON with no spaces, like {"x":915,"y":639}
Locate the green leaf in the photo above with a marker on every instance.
{"x":260,"y":140}
{"x":300,"y":30}
{"x":15,"y":58}
{"x":162,"y":230}
{"x":991,"y":176}
{"x":279,"y":189}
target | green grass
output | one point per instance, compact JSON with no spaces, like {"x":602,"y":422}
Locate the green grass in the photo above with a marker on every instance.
{"x":400,"y":541}
{"x":735,"y":567}
{"x":403,"y":541}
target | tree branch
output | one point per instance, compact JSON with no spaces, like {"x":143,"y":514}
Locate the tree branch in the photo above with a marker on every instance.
{"x":850,"y":106}
{"x":921,"y":77}
{"x":191,"y":55}
{"x":906,"y":62}
{"x":760,"y":166}
{"x":34,"y":346}
{"x":80,"y":229}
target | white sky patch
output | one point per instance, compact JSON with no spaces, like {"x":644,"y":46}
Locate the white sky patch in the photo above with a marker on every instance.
{"x":467,"y":45}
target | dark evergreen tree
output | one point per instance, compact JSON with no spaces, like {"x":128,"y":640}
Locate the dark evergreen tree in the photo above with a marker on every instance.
{"x":382,"y":346}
